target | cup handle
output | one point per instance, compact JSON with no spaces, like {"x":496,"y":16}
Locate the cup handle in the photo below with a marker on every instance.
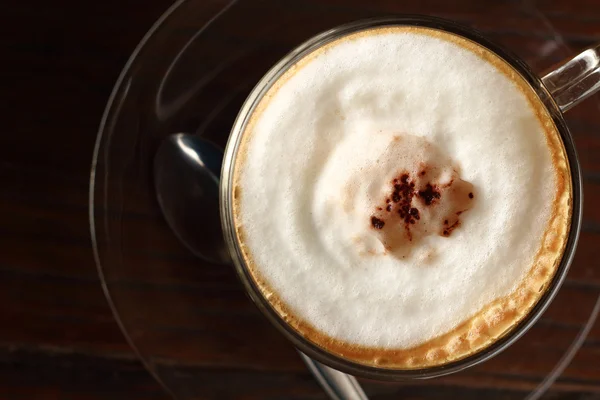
{"x":576,"y":79}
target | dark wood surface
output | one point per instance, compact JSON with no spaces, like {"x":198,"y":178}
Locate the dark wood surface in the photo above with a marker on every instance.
{"x":58,"y":337}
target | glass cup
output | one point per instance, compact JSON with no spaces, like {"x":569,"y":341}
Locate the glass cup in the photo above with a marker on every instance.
{"x":559,"y":90}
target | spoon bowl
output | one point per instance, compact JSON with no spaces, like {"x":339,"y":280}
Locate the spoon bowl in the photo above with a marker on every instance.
{"x":186,"y":180}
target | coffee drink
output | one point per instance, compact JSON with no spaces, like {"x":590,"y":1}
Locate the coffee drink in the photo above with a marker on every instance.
{"x":401,"y":197}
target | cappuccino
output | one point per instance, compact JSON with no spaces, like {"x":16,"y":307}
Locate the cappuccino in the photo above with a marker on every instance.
{"x":401,"y":197}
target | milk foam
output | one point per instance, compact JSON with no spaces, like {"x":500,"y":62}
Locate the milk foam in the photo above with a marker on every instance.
{"x":318,"y":160}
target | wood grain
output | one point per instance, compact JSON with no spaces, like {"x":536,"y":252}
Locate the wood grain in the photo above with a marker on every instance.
{"x":58,"y":337}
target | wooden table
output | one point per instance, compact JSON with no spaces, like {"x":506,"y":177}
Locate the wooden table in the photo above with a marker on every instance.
{"x":58,"y":337}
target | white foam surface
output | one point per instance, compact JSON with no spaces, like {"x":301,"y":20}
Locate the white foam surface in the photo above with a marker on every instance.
{"x":321,"y":154}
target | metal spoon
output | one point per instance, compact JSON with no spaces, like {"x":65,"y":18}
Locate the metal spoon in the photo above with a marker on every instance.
{"x":186,"y":178}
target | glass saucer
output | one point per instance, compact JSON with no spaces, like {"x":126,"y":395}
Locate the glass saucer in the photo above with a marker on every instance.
{"x":190,"y":321}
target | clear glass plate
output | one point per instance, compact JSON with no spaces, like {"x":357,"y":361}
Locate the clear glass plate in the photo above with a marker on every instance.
{"x":190,"y":321}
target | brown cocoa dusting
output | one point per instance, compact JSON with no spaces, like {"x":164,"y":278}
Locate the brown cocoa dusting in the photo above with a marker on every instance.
{"x":429,"y":194}
{"x":449,"y":183}
{"x":447,"y":231}
{"x":377,"y":223}
{"x":436,"y":210}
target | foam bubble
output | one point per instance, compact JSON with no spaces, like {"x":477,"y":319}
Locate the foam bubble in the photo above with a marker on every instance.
{"x":322,"y":155}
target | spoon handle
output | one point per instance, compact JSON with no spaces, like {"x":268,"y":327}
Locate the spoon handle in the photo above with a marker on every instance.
{"x":338,"y":385}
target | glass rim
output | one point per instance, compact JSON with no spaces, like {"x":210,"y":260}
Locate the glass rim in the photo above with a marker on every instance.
{"x":226,"y":204}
